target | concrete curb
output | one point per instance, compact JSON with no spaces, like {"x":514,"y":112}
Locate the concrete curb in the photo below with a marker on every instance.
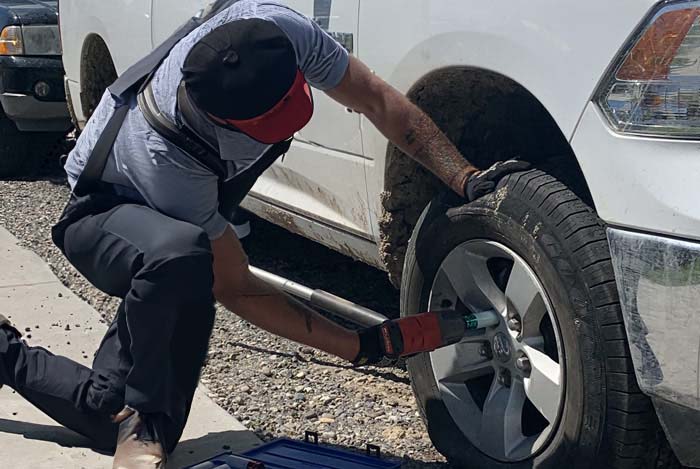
{"x":33,"y":297}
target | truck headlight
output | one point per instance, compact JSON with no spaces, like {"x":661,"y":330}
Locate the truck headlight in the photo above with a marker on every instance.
{"x":11,"y":41}
{"x":654,"y":88}
{"x":41,"y":39}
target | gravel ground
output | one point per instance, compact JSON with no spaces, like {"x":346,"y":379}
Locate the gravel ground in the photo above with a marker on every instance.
{"x":272,"y":385}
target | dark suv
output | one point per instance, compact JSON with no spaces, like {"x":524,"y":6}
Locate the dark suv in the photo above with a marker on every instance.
{"x":33,"y":111}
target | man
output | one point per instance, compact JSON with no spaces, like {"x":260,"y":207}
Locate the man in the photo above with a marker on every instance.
{"x":151,"y":230}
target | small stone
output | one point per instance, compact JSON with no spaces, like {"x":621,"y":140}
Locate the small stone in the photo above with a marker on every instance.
{"x":27,"y":329}
{"x":67,"y":327}
{"x":300,"y":375}
{"x":244,"y":388}
{"x":310,"y":415}
{"x":266,"y":372}
{"x":29,"y":336}
{"x":326,"y":420}
{"x":60,"y":295}
{"x":394,"y":433}
{"x":299,"y":397}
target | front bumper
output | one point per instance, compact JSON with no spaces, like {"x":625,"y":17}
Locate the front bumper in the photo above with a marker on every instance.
{"x":659,"y":283}
{"x":18,"y":76}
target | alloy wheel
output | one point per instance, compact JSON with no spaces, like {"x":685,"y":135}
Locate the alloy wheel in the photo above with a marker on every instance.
{"x":504,"y":386}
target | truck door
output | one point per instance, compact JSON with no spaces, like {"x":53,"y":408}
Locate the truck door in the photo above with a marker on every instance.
{"x":323,"y":176}
{"x":168,"y":15}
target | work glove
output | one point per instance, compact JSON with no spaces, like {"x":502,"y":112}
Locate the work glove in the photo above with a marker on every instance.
{"x":484,"y":182}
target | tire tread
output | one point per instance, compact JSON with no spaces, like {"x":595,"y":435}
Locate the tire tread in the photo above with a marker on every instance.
{"x":631,"y":420}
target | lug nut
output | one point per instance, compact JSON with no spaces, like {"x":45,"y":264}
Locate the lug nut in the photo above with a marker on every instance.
{"x":504,"y":378}
{"x":523,"y":364}
{"x":485,"y":351}
{"x":514,"y":325}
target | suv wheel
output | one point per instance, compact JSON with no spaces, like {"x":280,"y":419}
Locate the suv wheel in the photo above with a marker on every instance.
{"x":554,"y":383}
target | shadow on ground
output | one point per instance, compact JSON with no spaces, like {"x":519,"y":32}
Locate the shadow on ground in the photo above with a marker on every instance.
{"x":52,"y":433}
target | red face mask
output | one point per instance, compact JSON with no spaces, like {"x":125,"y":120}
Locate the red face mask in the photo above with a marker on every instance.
{"x":281,"y":122}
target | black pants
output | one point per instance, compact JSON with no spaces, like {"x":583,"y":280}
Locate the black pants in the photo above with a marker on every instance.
{"x":153,"y":352}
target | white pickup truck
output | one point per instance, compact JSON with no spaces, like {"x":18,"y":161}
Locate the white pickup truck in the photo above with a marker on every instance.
{"x":591,"y":258}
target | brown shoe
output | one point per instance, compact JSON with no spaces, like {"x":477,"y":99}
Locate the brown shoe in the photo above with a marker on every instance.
{"x":138,"y":445}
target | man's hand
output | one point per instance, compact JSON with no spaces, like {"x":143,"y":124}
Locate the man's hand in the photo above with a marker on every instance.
{"x":481,"y":183}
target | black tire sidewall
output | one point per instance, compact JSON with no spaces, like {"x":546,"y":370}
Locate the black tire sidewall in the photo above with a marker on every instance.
{"x":515,"y":224}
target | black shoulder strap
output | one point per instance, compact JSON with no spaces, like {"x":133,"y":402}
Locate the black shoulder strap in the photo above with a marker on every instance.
{"x":232,"y":192}
{"x":180,"y":136}
{"x":92,"y":172}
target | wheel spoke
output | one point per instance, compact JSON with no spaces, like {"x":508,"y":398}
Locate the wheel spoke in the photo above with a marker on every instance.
{"x":525,"y":299}
{"x":521,"y":289}
{"x":543,"y":387}
{"x":471,"y":280}
{"x":501,"y":423}
{"x":459,"y":363}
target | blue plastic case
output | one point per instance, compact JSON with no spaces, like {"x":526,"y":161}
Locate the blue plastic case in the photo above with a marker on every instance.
{"x":291,"y":454}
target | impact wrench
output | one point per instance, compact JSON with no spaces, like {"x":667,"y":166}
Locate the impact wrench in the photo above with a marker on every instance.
{"x":402,"y":337}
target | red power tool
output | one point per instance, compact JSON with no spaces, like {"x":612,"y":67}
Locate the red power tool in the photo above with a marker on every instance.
{"x":430,"y":331}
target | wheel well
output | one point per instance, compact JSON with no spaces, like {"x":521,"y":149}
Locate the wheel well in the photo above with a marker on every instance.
{"x":97,"y":72}
{"x":489,"y":117}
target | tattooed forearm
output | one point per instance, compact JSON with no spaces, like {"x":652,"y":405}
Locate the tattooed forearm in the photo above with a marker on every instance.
{"x":410,"y":137}
{"x":403,"y":123}
{"x":428,"y":145}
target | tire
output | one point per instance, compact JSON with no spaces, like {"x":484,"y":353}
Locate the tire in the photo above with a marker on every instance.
{"x":22,"y":153}
{"x":605,"y":421}
{"x":97,"y":72}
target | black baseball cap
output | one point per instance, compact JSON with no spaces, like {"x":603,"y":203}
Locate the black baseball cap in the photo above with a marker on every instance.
{"x":244,"y":75}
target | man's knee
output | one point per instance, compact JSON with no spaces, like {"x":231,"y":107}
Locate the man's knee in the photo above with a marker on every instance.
{"x":181,"y":262}
{"x":184,"y":241}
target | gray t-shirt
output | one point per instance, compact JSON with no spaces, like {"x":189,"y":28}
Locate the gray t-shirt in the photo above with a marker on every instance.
{"x":148,"y":168}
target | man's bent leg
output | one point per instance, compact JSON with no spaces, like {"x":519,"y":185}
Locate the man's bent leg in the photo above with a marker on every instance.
{"x":163,"y":269}
{"x":75,"y":396}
